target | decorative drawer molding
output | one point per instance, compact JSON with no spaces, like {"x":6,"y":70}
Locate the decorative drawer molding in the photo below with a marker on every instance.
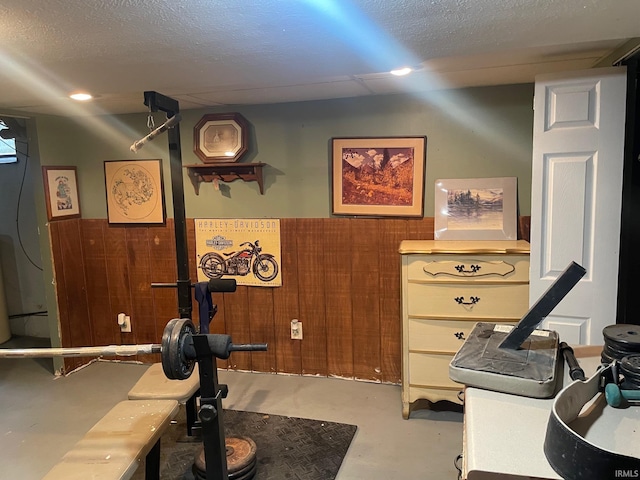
{"x":474,"y":268}
{"x":434,"y":394}
{"x":488,"y":268}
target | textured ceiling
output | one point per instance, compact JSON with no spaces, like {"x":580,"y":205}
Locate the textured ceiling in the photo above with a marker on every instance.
{"x":214,"y":52}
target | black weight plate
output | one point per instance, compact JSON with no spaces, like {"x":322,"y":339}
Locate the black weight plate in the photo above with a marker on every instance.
{"x":616,"y":353}
{"x":245,"y":471}
{"x":631,"y":364}
{"x":624,"y":336}
{"x":199,"y":467}
{"x":246,"y":475}
{"x":605,"y":357}
{"x":620,"y":348}
{"x":630,"y":368}
{"x":629,"y":373}
{"x":615,"y":349}
{"x":630,"y":384}
{"x":174,"y":362}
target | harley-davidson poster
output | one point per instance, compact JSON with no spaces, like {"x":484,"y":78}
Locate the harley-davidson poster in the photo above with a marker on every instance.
{"x":246,"y":249}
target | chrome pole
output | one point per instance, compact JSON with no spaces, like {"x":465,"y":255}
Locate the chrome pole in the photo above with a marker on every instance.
{"x":100,"y":351}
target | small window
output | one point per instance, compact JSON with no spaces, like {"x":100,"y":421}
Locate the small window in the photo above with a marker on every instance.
{"x":7,"y":146}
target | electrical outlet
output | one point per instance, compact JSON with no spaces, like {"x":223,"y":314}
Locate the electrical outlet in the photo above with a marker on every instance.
{"x":125,"y":322}
{"x":296,"y":329}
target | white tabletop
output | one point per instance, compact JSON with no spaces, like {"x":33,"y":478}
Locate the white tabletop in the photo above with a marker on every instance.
{"x":504,"y":434}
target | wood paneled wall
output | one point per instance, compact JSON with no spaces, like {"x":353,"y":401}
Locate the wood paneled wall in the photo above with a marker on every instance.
{"x":340,"y":278}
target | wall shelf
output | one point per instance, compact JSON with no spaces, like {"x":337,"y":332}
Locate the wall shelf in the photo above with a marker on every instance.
{"x":225,"y":172}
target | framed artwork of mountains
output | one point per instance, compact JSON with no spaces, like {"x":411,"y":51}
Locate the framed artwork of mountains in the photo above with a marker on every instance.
{"x":378,"y":176}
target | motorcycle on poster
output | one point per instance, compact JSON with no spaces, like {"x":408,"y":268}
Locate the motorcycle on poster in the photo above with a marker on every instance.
{"x":239,"y":263}
{"x":247,"y":250}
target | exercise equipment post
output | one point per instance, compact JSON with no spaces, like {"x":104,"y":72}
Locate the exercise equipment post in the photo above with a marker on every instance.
{"x":156,"y":101}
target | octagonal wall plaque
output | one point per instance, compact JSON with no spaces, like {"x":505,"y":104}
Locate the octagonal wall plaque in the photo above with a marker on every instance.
{"x":221,"y":137}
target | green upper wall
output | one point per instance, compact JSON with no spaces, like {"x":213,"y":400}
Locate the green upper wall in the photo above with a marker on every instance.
{"x":478,"y":132}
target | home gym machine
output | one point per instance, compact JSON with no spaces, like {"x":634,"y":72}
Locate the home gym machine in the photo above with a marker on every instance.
{"x":180,"y":349}
{"x":236,"y":455}
{"x":214,"y":452}
{"x":181,"y":345}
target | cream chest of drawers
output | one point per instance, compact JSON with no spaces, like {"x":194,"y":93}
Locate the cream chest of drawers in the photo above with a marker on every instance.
{"x":448,"y":286}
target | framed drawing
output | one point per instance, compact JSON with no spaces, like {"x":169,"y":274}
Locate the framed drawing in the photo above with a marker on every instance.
{"x":221,"y":137}
{"x":134,"y":191}
{"x":61,"y":192}
{"x":476,"y":209}
{"x":378,"y":176}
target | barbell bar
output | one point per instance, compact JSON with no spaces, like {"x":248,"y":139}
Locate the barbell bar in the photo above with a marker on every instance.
{"x":177,"y":350}
{"x":100,"y":351}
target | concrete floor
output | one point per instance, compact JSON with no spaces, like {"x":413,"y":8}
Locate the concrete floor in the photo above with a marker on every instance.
{"x":42,"y":416}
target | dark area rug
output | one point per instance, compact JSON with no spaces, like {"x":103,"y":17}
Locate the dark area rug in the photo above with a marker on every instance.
{"x":287,"y":447}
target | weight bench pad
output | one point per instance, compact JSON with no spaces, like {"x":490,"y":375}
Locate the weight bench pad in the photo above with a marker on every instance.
{"x":154,"y":384}
{"x":115,"y":446}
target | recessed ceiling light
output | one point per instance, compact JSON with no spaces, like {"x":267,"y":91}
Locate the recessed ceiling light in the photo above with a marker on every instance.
{"x":401,"y":71}
{"x":81,"y":96}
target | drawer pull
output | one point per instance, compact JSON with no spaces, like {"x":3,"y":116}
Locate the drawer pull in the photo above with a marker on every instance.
{"x":472,"y":300}
{"x":459,"y":335}
{"x":472,"y":268}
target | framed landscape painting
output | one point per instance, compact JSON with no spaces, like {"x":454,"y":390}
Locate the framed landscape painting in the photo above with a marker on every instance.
{"x":476,"y":209}
{"x":378,"y":176}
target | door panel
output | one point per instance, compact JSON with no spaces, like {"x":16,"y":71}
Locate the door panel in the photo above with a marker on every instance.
{"x":578,"y":143}
{"x":568,"y":183}
{"x":572,"y":328}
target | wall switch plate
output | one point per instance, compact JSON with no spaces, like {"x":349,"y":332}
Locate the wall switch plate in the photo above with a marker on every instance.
{"x":296,"y":329}
{"x":125,"y":322}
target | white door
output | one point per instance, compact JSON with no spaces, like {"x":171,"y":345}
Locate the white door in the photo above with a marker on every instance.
{"x":578,"y":143}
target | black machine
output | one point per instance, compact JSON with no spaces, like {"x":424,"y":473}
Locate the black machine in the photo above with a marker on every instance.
{"x":184,"y":343}
{"x":211,"y":392}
